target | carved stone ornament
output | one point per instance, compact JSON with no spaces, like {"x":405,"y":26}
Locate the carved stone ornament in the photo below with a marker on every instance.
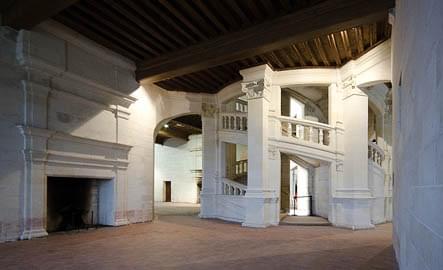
{"x":272,"y":152}
{"x":349,"y":85}
{"x":209,"y":110}
{"x":339,"y":166}
{"x":255,"y":89}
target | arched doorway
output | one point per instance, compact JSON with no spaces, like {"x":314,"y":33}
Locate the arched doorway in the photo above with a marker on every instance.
{"x":178,"y":166}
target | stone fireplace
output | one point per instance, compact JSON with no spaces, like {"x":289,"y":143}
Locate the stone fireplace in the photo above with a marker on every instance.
{"x":76,"y":203}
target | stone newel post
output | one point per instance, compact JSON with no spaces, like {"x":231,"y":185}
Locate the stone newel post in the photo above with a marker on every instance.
{"x":260,"y":198}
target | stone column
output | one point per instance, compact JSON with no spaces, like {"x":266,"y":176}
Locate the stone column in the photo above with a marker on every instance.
{"x":209,"y":160}
{"x":352,"y":198}
{"x":260,"y":198}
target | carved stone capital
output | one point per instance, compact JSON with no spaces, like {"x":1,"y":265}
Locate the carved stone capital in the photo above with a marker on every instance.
{"x":209,"y":110}
{"x":272,"y":152}
{"x":256,"y":89}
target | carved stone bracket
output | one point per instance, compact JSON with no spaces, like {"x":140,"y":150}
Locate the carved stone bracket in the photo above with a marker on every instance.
{"x":256,"y":89}
{"x":209,"y":110}
{"x":349,"y":86}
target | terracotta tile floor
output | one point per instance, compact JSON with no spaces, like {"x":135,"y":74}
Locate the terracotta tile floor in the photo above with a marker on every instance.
{"x":186,"y":242}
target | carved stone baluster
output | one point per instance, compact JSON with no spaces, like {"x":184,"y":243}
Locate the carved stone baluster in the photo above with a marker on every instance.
{"x":320,"y":136}
{"x":311,"y":134}
{"x":289,"y":130}
{"x":301,"y":132}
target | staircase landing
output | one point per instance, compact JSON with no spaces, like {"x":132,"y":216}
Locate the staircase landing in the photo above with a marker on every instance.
{"x":305,"y":221}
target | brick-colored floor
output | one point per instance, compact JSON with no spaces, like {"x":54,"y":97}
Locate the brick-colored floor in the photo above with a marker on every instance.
{"x":186,"y":242}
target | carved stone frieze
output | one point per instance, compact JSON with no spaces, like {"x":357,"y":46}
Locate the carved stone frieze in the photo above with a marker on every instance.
{"x":256,"y":89}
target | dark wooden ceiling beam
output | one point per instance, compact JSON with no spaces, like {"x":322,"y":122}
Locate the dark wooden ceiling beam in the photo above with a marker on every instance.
{"x":300,"y":57}
{"x":311,"y":54}
{"x":183,"y":19}
{"x":359,"y":39}
{"x":122,"y":27}
{"x":158,"y":37}
{"x":196,"y":16}
{"x":106,"y":32}
{"x":274,"y":34}
{"x":203,"y":7}
{"x":345,"y":39}
{"x":151,"y":6}
{"x":99,"y":38}
{"x":321,"y":51}
{"x":333,"y":45}
{"x":252,"y":6}
{"x":26,"y":14}
{"x":239,"y":11}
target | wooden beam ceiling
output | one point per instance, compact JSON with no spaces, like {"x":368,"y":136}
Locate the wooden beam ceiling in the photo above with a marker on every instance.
{"x":199,"y":46}
{"x":303,"y":25}
{"x":25,"y":14}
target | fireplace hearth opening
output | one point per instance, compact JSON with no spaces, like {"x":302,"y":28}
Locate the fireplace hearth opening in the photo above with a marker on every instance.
{"x":76,"y":203}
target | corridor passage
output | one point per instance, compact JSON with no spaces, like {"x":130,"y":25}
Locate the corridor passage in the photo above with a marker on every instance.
{"x":187,"y":242}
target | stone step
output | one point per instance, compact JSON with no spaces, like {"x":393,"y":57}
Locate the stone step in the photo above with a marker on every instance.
{"x":304,"y":221}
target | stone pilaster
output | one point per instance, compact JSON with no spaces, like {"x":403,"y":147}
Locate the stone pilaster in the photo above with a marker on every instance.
{"x":209,"y":159}
{"x":352,"y":196}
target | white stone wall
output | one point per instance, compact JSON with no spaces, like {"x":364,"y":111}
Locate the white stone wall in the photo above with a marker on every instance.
{"x":174,"y":161}
{"x":417,"y":136}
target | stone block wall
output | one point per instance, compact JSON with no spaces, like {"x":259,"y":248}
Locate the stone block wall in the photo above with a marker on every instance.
{"x":418,"y":133}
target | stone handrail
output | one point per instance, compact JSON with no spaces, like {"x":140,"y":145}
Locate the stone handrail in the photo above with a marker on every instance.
{"x":309,"y":131}
{"x":234,"y":121}
{"x":233,"y":188}
{"x":375,"y":153}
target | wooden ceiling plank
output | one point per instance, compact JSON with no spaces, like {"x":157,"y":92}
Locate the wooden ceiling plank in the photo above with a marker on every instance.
{"x":183,"y":19}
{"x":299,"y":55}
{"x":333,"y":45}
{"x":213,"y":75}
{"x":310,"y":53}
{"x":300,"y":25}
{"x":150,"y":5}
{"x":321,"y":51}
{"x":287,"y":55}
{"x":122,"y":26}
{"x":269,"y":7}
{"x":86,"y":30}
{"x":359,"y":39}
{"x":115,"y":29}
{"x":109,"y":33}
{"x":166,"y":32}
{"x":345,"y":41}
{"x":201,"y":21}
{"x":211,"y":16}
{"x":239,"y":11}
{"x":191,"y":81}
{"x":276,"y":60}
{"x":286,"y":5}
{"x":252,"y":6}
{"x":27,"y":14}
{"x":161,"y":42}
{"x":204,"y":79}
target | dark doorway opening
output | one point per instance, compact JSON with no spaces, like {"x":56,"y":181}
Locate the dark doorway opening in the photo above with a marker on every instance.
{"x":167,"y":191}
{"x":72,"y":203}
